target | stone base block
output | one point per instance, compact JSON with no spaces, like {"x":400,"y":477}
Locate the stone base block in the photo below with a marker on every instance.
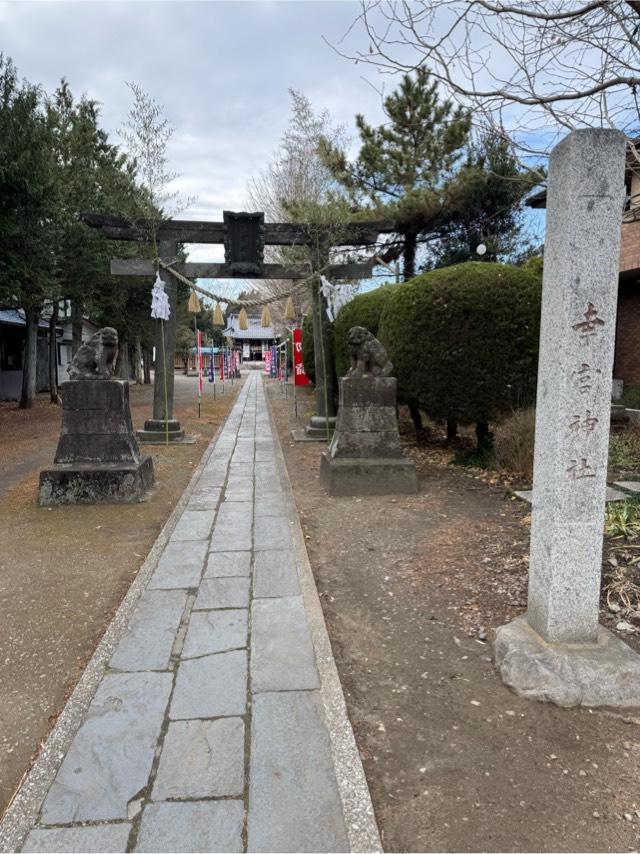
{"x":95,"y":483}
{"x":368,"y":477}
{"x":152,"y":437}
{"x":155,"y":432}
{"x":317,"y":428}
{"x":318,"y":422}
{"x":606,"y":673}
{"x":300,"y":435}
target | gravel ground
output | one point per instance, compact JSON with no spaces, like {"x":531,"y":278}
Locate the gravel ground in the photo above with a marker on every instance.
{"x":412,"y":588}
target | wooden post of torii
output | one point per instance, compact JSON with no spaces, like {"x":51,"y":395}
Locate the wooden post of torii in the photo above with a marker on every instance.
{"x":163,"y":426}
{"x":243,"y":259}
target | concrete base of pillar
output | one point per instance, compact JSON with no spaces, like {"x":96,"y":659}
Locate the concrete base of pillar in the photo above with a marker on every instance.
{"x":317,"y":427}
{"x":300,"y":435}
{"x":155,"y":433}
{"x":606,"y":673}
{"x":96,"y":483}
{"x":351,"y":476}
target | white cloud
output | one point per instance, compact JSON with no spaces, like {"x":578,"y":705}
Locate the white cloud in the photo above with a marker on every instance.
{"x":222,"y":71}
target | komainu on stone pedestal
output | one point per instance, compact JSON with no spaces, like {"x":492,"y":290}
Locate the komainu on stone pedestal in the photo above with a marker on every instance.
{"x":97,"y":459}
{"x":365,"y":455}
{"x":95,"y":360}
{"x":368,"y":356}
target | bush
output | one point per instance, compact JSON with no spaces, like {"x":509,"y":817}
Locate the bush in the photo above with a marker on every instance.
{"x":464,"y":340}
{"x":630,"y":397}
{"x":308,"y":351}
{"x":363,"y":310}
{"x":513,"y":443}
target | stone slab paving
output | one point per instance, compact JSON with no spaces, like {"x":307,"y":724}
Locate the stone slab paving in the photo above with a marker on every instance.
{"x":629,"y":485}
{"x":611,"y":494}
{"x":208,"y":731}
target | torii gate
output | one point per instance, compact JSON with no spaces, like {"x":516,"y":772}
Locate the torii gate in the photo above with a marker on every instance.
{"x":244,"y":237}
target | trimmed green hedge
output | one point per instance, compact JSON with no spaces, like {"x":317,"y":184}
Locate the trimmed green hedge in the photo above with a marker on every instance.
{"x":363,"y":310}
{"x":308,"y":351}
{"x":464,"y":339}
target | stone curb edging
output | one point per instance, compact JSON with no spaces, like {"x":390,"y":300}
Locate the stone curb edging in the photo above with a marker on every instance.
{"x":359,"y":816}
{"x":22,"y":811}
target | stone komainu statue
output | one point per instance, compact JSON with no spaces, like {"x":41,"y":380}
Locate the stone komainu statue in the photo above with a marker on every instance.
{"x":95,"y":359}
{"x":368,"y":356}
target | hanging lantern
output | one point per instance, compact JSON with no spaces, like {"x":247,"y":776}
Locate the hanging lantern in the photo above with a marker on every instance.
{"x":289,"y":309}
{"x":194,"y":303}
{"x":265,"y":320}
{"x":218,"y":317}
{"x":243,"y":320}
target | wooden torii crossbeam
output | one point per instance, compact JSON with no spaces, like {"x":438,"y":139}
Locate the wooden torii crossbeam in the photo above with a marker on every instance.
{"x":171,"y":232}
{"x":203,"y":231}
{"x":199,"y":270}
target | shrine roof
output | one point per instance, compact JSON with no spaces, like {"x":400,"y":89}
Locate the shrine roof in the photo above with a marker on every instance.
{"x":16,"y":317}
{"x":255,"y":330}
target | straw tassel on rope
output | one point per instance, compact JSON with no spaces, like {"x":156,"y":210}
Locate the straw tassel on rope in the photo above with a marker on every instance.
{"x":265,"y":320}
{"x":243,"y":320}
{"x":218,"y":317}
{"x":289,"y":309}
{"x":194,"y":303}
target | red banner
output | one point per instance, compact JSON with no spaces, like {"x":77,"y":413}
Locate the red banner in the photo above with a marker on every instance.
{"x":300,"y":378}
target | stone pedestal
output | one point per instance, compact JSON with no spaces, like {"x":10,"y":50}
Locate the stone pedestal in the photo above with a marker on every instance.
{"x":559,"y":651}
{"x":97,"y":459}
{"x":156,"y":432}
{"x":365,"y":455}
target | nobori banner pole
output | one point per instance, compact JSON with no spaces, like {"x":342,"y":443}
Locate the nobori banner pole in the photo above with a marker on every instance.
{"x":559,"y":651}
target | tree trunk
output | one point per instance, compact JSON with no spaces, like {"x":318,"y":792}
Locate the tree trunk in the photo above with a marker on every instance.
{"x":483,"y":436}
{"x":123,"y":368}
{"x":452,"y":429}
{"x":53,"y":356}
{"x":30,"y":363}
{"x":409,"y":255}
{"x":323,"y":343}
{"x":137,"y":361}
{"x":76,"y":326}
{"x":146,"y":365}
{"x":416,"y":415}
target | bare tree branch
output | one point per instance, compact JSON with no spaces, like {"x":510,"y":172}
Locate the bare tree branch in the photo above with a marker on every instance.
{"x":533,"y":68}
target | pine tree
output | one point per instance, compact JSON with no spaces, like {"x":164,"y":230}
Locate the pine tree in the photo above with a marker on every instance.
{"x":403,"y":165}
{"x":485,"y":200}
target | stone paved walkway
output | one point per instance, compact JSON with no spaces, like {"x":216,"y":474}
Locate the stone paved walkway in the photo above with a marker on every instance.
{"x":208,"y":729}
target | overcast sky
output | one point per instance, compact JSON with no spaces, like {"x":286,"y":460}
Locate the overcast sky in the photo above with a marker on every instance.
{"x":222,"y":70}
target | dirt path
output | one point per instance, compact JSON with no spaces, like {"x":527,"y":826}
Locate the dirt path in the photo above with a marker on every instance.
{"x":65,"y":570}
{"x":455,"y":761}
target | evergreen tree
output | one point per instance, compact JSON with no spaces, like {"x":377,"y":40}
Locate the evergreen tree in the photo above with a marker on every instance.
{"x":28,"y":207}
{"x":403,"y":166}
{"x":485,"y":202}
{"x":95,"y":176}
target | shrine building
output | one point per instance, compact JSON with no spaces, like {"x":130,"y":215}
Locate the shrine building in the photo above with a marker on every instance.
{"x":252,"y":341}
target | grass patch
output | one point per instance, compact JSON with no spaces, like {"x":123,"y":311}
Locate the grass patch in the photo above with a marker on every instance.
{"x":624,"y":450}
{"x":622,"y":519}
{"x":474,"y":458}
{"x":513,"y":443}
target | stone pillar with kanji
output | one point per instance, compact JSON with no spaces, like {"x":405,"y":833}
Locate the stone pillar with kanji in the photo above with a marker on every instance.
{"x":558,"y":651}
